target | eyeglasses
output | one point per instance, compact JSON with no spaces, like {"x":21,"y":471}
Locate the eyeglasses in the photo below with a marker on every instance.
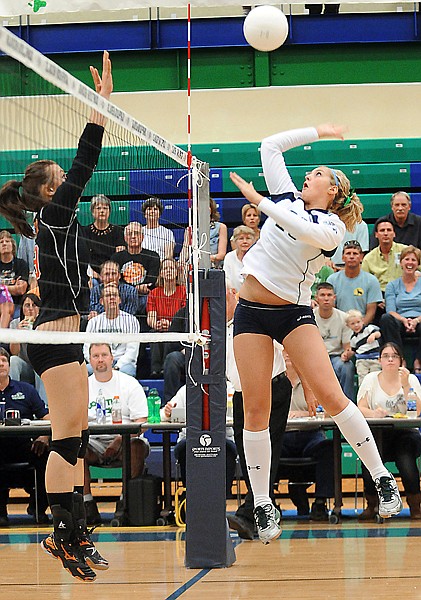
{"x":352,"y":244}
{"x":392,"y":356}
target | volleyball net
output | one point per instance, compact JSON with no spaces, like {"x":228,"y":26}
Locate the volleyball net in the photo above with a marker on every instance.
{"x":43,"y":111}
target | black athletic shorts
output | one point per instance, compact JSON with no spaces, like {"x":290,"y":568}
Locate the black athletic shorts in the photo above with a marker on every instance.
{"x":266,"y":319}
{"x":47,"y":356}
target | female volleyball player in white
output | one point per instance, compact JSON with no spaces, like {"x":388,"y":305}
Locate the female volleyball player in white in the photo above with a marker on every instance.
{"x":302,"y":228}
{"x":46,"y":190}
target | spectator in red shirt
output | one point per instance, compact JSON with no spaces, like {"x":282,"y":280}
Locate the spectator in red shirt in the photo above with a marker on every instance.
{"x":162,"y":304}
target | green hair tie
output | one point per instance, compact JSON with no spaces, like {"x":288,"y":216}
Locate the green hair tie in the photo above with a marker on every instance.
{"x":348,"y":198}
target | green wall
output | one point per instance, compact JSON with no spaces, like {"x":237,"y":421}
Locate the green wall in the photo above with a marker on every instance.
{"x":237,"y":67}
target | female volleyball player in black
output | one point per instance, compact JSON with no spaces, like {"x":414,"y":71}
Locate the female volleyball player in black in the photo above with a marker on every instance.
{"x":302,"y":228}
{"x":61,"y":272}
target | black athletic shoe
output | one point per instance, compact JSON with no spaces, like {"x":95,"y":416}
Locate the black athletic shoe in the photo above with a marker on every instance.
{"x":70,"y":556}
{"x":242,"y":526}
{"x":89,"y":552}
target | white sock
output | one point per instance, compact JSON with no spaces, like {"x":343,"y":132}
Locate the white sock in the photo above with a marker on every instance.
{"x":355,"y":429}
{"x":258,"y":453}
{"x":87,"y":497}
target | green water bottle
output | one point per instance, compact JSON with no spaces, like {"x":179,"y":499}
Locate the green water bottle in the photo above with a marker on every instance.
{"x":154,"y":406}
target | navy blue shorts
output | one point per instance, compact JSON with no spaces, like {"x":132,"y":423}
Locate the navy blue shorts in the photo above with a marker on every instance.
{"x":274,"y":321}
{"x":47,"y":356}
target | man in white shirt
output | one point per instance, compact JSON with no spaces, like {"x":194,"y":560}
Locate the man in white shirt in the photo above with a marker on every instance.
{"x":114,"y":320}
{"x":106,"y":449}
{"x":336,"y":336}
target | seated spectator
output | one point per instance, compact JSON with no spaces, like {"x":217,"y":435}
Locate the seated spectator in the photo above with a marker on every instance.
{"x":353,"y":287}
{"x":14,"y":272}
{"x":179,"y":400}
{"x":107,"y":449}
{"x":233,"y":263}
{"x":24,"y":398}
{"x":407,"y":225}
{"x":138,"y":266}
{"x":26,"y":252}
{"x":7,"y":307}
{"x":384,"y":260}
{"x":110,"y":273}
{"x":103,"y":238}
{"x":20,"y":365}
{"x":320,"y":277}
{"x":251,"y":218}
{"x":336,"y":336}
{"x":360,"y":234}
{"x":175,"y":357}
{"x":114,"y":320}
{"x":308,"y":444}
{"x":156,"y":237}
{"x":384,"y":394}
{"x":163,"y":303}
{"x":403,"y":304}
{"x":218,"y":237}
{"x":365,"y":343}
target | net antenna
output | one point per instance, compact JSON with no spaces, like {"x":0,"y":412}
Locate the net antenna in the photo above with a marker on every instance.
{"x":134,"y":160}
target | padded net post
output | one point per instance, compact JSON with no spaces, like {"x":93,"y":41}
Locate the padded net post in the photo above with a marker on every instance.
{"x":208,"y":544}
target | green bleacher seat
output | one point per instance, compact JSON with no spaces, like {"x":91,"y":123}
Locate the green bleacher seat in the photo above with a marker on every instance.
{"x":375,"y":205}
{"x":105,"y":472}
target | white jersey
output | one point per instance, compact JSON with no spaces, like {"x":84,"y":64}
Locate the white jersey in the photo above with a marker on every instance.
{"x":293,"y":241}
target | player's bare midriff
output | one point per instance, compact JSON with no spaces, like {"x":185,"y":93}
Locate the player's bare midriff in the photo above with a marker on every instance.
{"x":70,"y":323}
{"x":253,"y":291}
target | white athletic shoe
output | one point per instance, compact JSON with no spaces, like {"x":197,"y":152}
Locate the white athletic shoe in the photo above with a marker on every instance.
{"x":390,"y":502}
{"x":268,"y":520}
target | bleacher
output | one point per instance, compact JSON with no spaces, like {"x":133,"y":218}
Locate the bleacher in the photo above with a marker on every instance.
{"x":376,"y":168}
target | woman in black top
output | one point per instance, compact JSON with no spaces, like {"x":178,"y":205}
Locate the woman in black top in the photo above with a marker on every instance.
{"x":60,"y":267}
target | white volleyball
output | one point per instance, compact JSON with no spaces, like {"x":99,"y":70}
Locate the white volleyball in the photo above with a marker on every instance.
{"x":265,"y":28}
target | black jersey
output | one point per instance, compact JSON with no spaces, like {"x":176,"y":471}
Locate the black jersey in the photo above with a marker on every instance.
{"x":61,"y":254}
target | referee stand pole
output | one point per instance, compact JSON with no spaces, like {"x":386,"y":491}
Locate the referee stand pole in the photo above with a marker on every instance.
{"x":208,"y":543}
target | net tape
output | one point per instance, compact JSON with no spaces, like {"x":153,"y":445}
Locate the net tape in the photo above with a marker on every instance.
{"x":50,"y":71}
{"x":54,"y":74}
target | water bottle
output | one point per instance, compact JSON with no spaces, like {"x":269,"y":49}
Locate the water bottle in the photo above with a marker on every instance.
{"x":116,"y":413}
{"x":101,"y":408}
{"x":320,"y":412}
{"x":154,"y":406}
{"x":411,"y":404}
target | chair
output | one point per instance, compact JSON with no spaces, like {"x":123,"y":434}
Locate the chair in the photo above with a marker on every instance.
{"x":14,"y":473}
{"x":300,"y":474}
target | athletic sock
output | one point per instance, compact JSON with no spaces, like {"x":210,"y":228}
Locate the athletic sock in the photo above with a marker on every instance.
{"x":355,"y":429}
{"x":258,"y":453}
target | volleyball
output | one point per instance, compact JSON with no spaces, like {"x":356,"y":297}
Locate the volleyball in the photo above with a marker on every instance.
{"x":265,"y":28}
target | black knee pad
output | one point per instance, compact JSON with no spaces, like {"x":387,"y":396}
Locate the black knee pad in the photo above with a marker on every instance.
{"x":84,"y":444}
{"x":67,"y":448}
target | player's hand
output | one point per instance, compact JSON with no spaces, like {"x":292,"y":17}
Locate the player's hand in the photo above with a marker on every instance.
{"x":247,"y":189}
{"x":103,"y":84}
{"x":404,"y":376}
{"x":330,"y":130}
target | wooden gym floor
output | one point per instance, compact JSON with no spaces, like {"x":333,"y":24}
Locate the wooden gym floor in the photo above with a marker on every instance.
{"x":310,"y":561}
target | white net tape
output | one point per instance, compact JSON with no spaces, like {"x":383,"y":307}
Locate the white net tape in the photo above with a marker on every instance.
{"x":21,"y":336}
